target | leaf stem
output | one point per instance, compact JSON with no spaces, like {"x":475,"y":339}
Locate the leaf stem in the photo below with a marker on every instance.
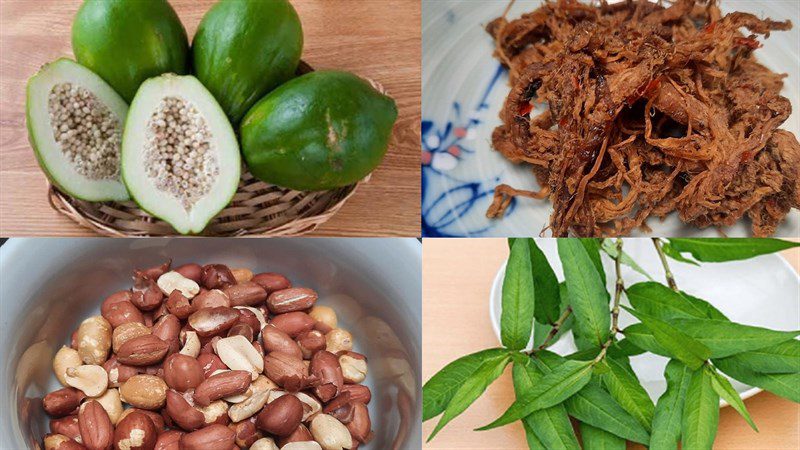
{"x":554,"y":331}
{"x":667,"y":271}
{"x":619,"y":287}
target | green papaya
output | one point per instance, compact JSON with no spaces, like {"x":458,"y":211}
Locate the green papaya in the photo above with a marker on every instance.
{"x":129,"y":41}
{"x":319,"y":131}
{"x":244,"y":49}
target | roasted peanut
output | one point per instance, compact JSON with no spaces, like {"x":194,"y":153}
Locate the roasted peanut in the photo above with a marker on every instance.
{"x":66,"y":358}
{"x":325,"y":315}
{"x":94,"y":340}
{"x":174,"y":281}
{"x":144,"y":391}
{"x":330,"y":433}
{"x":91,"y":379}
{"x":281,"y":417}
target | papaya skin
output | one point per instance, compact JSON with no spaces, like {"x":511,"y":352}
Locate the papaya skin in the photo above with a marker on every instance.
{"x":319,"y":131}
{"x":244,"y":49}
{"x":129,"y":41}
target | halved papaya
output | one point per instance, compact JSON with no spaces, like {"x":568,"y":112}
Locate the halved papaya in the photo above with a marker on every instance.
{"x":75,"y":122}
{"x":180,"y":157}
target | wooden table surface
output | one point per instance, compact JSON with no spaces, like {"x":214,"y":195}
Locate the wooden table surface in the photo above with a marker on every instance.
{"x":457,"y":278}
{"x":379,"y":39}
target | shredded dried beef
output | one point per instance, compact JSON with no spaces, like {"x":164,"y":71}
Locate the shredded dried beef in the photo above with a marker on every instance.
{"x":650,"y":110}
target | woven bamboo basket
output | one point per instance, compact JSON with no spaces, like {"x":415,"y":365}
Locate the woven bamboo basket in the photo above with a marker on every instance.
{"x":257,"y":208}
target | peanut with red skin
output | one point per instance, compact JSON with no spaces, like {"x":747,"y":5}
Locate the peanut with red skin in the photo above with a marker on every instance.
{"x":63,"y":402}
{"x":182,"y":372}
{"x":135,"y":432}
{"x":222,"y":385}
{"x":212,"y":437}
{"x":272,"y":281}
{"x":191,"y":271}
{"x":275,"y":340}
{"x":182,"y":413}
{"x":247,"y":293}
{"x":291,"y":299}
{"x":95,"y":425}
{"x":216,"y":276}
{"x":169,"y":440}
{"x":281,"y":417}
{"x":293,"y":323}
{"x":326,"y":368}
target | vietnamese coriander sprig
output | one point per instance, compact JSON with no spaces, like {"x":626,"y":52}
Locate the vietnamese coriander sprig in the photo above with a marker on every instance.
{"x":595,"y":386}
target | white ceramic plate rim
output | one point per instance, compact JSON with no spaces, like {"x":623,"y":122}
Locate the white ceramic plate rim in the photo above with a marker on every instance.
{"x":496,"y":294}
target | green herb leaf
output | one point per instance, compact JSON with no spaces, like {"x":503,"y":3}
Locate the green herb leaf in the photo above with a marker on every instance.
{"x":610,"y":248}
{"x":733,"y":249}
{"x":626,"y":389}
{"x":641,"y":336}
{"x":551,"y":426}
{"x":668,"y":414}
{"x":710,"y":311}
{"x":533,"y":442}
{"x":540,"y":331}
{"x":594,"y":406}
{"x":700,"y":412}
{"x":677,"y":343}
{"x":470,"y":390}
{"x":676,"y":255}
{"x":724,"y":389}
{"x":725,"y":338}
{"x":592,"y":247}
{"x":624,"y":347}
{"x":779,"y":358}
{"x":548,"y":300}
{"x":439,"y":390}
{"x":587,"y":293}
{"x":786,"y":385}
{"x":552,"y":389}
{"x":516,"y":319}
{"x":662,"y":302}
{"x":597,"y":439}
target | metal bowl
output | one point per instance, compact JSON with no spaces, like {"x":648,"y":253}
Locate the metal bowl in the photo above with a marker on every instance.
{"x":48,"y":286}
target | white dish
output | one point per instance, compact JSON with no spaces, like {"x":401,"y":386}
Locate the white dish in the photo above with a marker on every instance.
{"x":766,"y":297}
{"x":463,"y":90}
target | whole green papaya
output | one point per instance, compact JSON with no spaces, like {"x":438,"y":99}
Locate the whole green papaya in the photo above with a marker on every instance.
{"x":244,"y":49}
{"x":129,"y":41}
{"x":319,"y":131}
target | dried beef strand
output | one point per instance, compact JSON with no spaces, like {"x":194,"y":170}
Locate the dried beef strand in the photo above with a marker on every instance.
{"x":650,"y":110}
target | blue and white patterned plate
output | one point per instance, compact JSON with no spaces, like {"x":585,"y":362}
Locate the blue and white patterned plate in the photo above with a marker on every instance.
{"x":463,"y":89}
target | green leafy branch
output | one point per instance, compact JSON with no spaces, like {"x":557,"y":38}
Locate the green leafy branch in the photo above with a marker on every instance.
{"x":596,"y":386}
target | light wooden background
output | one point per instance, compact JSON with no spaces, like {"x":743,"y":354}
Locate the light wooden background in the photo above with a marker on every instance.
{"x":379,"y":39}
{"x":457,"y":278}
